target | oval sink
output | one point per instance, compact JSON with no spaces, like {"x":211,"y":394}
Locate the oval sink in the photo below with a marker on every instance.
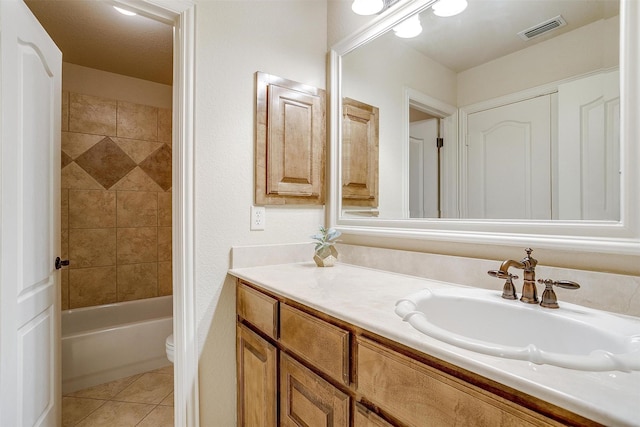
{"x":480,"y":320}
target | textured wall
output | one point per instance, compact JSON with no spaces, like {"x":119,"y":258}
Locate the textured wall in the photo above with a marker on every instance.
{"x":116,"y":200}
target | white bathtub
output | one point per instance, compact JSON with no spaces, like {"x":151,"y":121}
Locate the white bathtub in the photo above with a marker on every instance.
{"x":107,"y":342}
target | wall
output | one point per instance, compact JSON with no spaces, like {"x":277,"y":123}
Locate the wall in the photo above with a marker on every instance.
{"x":588,"y":48}
{"x":116,"y":194}
{"x":234,"y":39}
{"x":390,"y":65}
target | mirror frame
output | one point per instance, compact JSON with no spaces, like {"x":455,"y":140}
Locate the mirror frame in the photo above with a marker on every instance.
{"x":621,"y":237}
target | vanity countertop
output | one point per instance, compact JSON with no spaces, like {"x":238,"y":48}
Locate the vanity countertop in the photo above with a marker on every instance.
{"x":366,"y":298}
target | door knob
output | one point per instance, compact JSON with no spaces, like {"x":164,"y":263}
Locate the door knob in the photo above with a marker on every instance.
{"x":61,"y":263}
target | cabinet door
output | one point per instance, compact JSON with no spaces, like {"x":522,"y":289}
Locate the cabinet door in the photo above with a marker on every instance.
{"x":359,"y":154}
{"x":308,"y":400}
{"x":257,"y":380}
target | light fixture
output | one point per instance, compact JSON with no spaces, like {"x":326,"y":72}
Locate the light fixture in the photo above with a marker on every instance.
{"x":408,"y":28}
{"x":367,"y":7}
{"x":124,"y":11}
{"x":446,"y":8}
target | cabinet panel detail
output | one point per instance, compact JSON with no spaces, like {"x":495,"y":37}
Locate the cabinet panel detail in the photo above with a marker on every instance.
{"x":308,"y":400}
{"x":290,"y":142}
{"x":257,"y":380}
{"x":258,"y":309}
{"x":322,"y":345}
{"x":359,"y":154}
{"x":419,"y":395}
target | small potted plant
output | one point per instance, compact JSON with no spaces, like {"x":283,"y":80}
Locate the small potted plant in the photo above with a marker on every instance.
{"x":325,"y":253}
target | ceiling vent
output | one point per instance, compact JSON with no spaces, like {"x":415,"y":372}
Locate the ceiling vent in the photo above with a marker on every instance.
{"x":542,"y":28}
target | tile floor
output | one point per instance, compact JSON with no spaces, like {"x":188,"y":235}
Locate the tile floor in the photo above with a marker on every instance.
{"x":143,"y":400}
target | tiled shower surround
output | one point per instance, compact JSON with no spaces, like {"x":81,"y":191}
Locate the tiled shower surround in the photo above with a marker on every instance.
{"x":116,"y":200}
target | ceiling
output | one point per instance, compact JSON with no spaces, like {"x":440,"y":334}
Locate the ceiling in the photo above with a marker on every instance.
{"x":488,"y":29}
{"x":93,"y":34}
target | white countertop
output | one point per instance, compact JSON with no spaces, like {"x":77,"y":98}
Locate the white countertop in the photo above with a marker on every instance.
{"x":366,"y":298}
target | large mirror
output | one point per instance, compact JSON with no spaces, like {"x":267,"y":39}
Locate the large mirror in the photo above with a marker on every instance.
{"x":504,"y":120}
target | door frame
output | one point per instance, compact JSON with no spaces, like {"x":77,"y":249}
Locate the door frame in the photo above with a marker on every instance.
{"x":449,"y":117}
{"x":181,"y":15}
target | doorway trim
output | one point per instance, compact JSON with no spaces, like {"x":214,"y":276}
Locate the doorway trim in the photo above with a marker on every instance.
{"x":449,"y":115}
{"x":181,"y":15}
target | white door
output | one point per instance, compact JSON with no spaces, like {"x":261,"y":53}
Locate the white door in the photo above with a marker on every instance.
{"x":423,"y":169}
{"x":589,"y":148}
{"x":509,"y":161}
{"x":30,"y":85}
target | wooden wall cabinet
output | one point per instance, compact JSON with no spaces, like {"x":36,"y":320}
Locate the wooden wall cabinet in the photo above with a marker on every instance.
{"x":290,"y":142}
{"x":360,"y":124}
{"x":333,"y":374}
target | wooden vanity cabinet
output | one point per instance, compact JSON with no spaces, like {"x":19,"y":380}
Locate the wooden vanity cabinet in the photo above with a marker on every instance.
{"x":298,"y":366}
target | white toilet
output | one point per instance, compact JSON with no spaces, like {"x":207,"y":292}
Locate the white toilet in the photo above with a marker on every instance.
{"x":169,"y":346}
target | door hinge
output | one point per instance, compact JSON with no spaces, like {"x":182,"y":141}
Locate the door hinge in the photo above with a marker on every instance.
{"x":439,"y":142}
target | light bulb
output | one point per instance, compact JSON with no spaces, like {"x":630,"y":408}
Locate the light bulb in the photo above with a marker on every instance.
{"x":408,"y":28}
{"x":445,"y":8}
{"x":124,"y":11}
{"x":367,"y":7}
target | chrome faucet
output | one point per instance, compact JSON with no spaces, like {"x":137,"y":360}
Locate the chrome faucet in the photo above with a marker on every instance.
{"x":528,"y":264}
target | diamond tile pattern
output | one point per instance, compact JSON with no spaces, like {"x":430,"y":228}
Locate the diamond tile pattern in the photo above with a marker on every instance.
{"x":106,"y":162}
{"x":158,"y":166}
{"x":116,"y":210}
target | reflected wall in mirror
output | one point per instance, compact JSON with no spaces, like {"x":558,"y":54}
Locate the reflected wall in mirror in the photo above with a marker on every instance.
{"x":529,"y":129}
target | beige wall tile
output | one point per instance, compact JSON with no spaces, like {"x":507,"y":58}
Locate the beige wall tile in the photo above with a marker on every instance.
{"x":164,"y":209}
{"x":106,"y":162}
{"x":164,"y":125}
{"x":92,"y":247}
{"x":92,"y":209}
{"x":64,"y":244}
{"x":73,"y":176}
{"x":74,"y":144}
{"x":165,"y":278}
{"x":158,"y":166}
{"x":137,"y":281}
{"x":65,"y":111}
{"x":92,"y":286}
{"x":137,"y":209}
{"x":137,"y":121}
{"x":137,"y":149}
{"x":92,"y":114}
{"x":137,"y":180}
{"x":164,"y":244}
{"x":64,"y":208}
{"x":64,"y":289}
{"x":137,"y":245}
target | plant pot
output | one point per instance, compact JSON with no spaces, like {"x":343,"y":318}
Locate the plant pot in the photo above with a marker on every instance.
{"x":326,"y":257}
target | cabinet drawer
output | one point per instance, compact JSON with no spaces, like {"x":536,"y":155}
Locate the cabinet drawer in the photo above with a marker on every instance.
{"x":323,"y":345}
{"x":419,"y":395}
{"x":258,"y":309}
{"x":363,"y":417}
{"x":308,"y":400}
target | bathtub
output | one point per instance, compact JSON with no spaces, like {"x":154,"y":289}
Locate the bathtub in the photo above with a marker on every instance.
{"x":107,"y":342}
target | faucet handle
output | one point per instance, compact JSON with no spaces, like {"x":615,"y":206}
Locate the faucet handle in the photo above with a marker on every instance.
{"x":549,"y":298}
{"x":508,"y":290}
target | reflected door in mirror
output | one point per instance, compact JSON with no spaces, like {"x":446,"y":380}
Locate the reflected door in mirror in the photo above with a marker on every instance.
{"x":508,"y":167}
{"x":359,"y":154}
